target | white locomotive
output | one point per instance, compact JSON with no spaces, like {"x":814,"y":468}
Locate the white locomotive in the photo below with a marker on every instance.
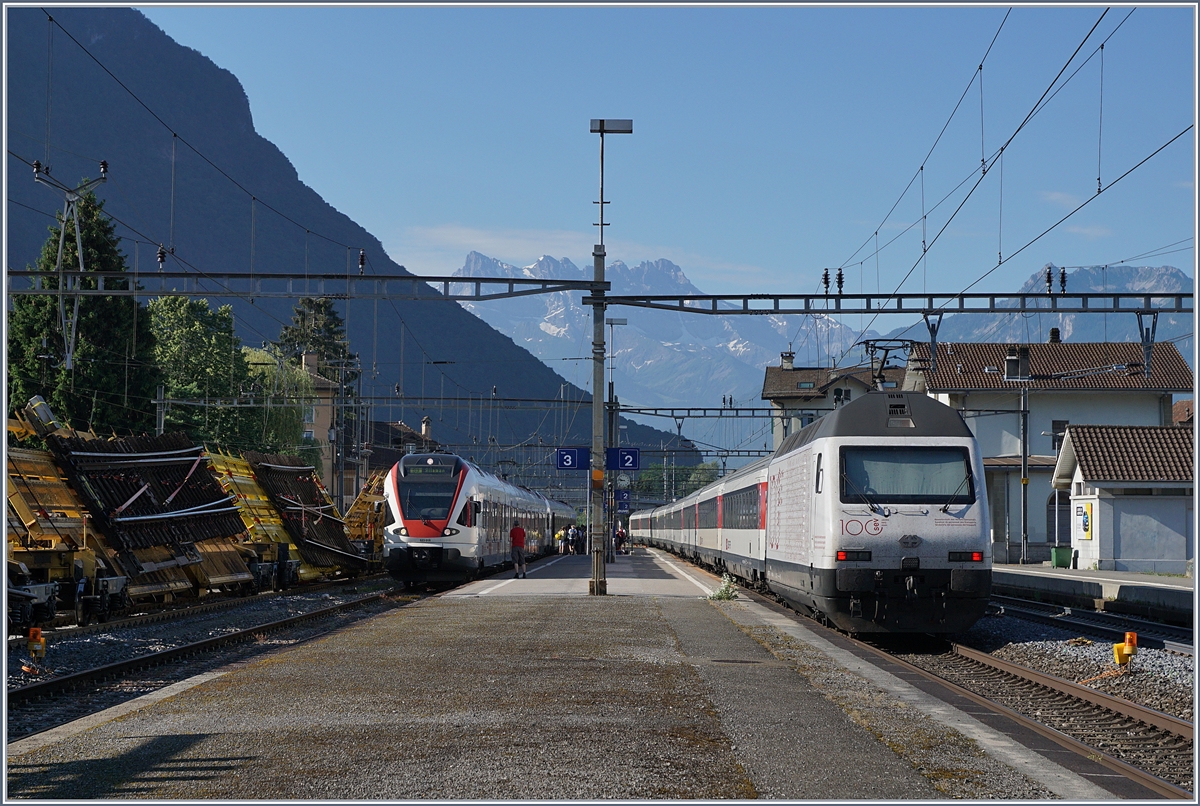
{"x":874,"y":517}
{"x":448,"y":520}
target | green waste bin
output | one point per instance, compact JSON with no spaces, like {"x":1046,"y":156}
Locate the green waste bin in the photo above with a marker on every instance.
{"x":1060,"y":557}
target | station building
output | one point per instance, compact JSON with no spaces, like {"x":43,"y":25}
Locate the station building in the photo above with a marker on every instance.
{"x":1131,"y":496}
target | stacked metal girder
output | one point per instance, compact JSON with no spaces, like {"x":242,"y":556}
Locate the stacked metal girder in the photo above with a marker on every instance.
{"x":307,"y":511}
{"x":49,"y":532}
{"x":42,"y":509}
{"x":366,"y":518}
{"x":268,"y":538}
{"x":152,"y":496}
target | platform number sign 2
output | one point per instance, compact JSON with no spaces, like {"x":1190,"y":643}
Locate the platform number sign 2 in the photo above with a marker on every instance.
{"x":623,"y":459}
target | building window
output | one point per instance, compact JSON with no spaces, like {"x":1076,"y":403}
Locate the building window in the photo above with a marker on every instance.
{"x":1058,"y":430}
{"x":310,"y":414}
{"x":308,"y":435}
{"x":804,"y":384}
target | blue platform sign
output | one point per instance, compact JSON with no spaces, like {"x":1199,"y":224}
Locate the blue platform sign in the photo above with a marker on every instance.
{"x":572,"y":458}
{"x":622,"y":507}
{"x":622,"y":459}
{"x":624,"y":496}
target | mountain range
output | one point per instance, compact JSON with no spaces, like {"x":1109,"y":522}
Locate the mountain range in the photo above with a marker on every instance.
{"x":669,"y":359}
{"x":187,"y":169}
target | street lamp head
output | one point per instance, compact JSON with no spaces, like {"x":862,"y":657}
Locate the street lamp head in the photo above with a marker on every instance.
{"x":612,"y":126}
{"x":615,"y":321}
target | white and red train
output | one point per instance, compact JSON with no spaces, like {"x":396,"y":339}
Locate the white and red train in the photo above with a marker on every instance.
{"x":874,"y":517}
{"x":448,"y":520}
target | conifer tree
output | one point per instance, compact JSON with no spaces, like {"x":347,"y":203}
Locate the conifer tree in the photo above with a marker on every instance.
{"x":318,"y":328}
{"x":114,"y":380}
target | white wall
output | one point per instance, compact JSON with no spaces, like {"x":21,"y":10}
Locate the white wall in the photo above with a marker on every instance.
{"x":1000,"y":434}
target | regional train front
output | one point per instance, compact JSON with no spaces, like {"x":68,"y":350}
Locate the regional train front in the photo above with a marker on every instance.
{"x":430,"y":535}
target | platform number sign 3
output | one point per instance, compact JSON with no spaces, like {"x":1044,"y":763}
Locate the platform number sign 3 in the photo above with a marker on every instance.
{"x":572,"y":458}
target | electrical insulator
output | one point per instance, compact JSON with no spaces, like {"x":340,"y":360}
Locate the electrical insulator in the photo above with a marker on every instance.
{"x":840,"y":280}
{"x":825,"y":280}
{"x":37,"y":167}
{"x":162,"y":257}
{"x":104,"y":167}
{"x":362,"y":260}
{"x":1049,"y":280}
{"x":1062,"y":281}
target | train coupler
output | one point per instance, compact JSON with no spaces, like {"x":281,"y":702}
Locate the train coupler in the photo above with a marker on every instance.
{"x":855,"y":607}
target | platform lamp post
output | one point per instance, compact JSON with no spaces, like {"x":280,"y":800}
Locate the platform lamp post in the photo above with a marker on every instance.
{"x":613,"y":442}
{"x":599,"y":583}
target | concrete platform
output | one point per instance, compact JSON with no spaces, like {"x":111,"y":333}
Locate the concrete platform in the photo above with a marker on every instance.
{"x":1166,"y":598}
{"x":530,"y":688}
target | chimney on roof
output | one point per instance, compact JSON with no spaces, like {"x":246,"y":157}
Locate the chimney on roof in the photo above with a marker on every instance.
{"x":787,"y":359}
{"x":1016,"y":364}
{"x":309,"y":361}
{"x":427,"y":428}
{"x":1055,"y":338}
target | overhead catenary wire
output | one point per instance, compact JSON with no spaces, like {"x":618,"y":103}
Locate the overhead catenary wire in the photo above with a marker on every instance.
{"x":1051,"y":90}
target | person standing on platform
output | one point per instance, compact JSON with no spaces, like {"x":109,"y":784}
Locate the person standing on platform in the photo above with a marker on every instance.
{"x":517,"y":536}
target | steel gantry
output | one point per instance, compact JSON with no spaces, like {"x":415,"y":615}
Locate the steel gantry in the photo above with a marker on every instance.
{"x":287,"y":285}
{"x":932,"y":307}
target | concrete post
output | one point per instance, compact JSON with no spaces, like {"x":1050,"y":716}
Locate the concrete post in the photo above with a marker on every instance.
{"x":599,"y":583}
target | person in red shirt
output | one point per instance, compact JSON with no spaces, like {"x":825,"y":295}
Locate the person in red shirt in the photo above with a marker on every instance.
{"x":517,"y":536}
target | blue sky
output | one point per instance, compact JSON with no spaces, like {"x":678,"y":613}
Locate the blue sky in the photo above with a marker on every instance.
{"x":769,"y":143}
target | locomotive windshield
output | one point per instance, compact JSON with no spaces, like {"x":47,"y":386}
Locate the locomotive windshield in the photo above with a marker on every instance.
{"x":906,"y":475}
{"x":426,"y":487}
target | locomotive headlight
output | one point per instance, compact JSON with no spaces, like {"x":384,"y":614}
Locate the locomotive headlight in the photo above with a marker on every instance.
{"x":448,"y":532}
{"x":403,"y":532}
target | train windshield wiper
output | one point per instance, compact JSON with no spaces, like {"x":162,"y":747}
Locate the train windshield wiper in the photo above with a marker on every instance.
{"x":946,"y":506}
{"x":878,"y":510}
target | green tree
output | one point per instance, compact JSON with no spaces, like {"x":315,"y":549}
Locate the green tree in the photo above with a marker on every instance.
{"x":699,"y":476}
{"x":318,"y":328}
{"x":201,"y":359}
{"x":649,"y":483}
{"x":681,"y":480}
{"x":114,"y":380}
{"x":285,"y":392}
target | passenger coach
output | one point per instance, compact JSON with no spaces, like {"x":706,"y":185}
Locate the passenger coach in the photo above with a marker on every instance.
{"x":874,"y":517}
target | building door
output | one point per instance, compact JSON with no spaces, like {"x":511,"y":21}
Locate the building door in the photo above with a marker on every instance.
{"x":1058,"y":515}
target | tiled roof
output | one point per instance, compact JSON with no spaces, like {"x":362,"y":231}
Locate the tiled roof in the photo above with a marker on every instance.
{"x":1015,"y":461}
{"x":1132,"y":452}
{"x":1183,"y":412}
{"x":785,"y":384}
{"x":963,"y":366}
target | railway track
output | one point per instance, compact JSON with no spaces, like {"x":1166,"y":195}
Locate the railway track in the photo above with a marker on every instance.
{"x":63,"y":698}
{"x":64,"y":624}
{"x":1110,"y":626}
{"x":1148,"y":746}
